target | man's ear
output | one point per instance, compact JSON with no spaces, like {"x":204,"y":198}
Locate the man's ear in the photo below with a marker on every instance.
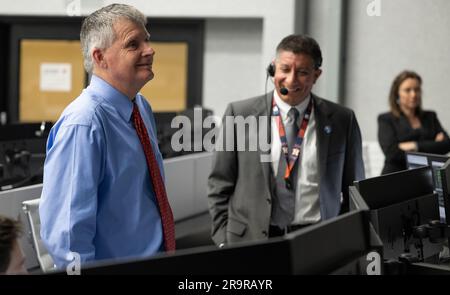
{"x":98,"y":58}
{"x":317,"y":74}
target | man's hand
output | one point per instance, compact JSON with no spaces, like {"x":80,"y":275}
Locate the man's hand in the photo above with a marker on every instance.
{"x":408,"y":146}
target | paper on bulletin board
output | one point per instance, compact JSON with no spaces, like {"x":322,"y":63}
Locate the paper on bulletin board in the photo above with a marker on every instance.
{"x":55,"y":77}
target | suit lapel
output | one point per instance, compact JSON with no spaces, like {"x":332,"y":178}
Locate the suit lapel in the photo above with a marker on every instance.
{"x":324,"y":129}
{"x":264,"y":109}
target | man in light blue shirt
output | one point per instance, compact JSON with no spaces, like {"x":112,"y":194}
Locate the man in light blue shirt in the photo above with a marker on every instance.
{"x":98,"y":198}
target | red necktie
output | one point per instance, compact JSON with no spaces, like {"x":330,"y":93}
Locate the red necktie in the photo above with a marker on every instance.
{"x":158,"y":184}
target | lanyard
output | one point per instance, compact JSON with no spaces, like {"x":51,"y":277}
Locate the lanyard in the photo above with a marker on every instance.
{"x":292,"y":159}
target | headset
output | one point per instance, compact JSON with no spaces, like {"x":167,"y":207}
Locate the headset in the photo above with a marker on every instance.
{"x":271,"y":73}
{"x":271,"y":69}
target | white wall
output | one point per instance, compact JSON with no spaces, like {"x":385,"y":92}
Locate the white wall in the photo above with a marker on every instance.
{"x":324,"y":25}
{"x":253,"y":28}
{"x":409,"y":34}
{"x":231,"y":68}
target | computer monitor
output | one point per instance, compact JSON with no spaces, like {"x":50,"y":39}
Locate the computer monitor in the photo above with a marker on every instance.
{"x":22,"y":154}
{"x":417,"y":159}
{"x":443,"y":177}
{"x":398,"y":202}
{"x":318,"y":249}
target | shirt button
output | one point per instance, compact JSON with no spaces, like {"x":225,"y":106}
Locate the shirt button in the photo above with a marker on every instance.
{"x":264,"y":233}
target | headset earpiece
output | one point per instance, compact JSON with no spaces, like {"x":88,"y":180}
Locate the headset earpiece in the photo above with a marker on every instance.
{"x":271,"y":70}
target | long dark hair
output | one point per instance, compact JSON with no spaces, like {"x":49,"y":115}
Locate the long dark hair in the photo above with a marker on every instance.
{"x":393,"y":95}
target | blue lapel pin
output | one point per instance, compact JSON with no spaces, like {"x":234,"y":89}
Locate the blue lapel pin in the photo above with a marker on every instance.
{"x":328,"y":129}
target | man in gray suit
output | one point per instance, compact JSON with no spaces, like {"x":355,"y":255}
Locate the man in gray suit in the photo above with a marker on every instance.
{"x":302,"y":178}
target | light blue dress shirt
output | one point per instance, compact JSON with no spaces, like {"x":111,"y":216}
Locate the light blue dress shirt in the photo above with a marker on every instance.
{"x":97,"y":197}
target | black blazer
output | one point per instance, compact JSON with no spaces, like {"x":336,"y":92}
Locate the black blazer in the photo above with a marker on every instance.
{"x":393,"y":130}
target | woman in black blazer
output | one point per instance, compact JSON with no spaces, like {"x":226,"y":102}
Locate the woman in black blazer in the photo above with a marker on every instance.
{"x":407,"y":127}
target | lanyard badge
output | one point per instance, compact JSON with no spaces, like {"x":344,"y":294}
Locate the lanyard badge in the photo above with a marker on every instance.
{"x":296,"y":150}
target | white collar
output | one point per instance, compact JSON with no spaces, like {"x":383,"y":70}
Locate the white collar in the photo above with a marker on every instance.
{"x":285,"y":107}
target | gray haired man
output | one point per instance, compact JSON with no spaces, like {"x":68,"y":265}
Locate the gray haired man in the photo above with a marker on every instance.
{"x":103,"y":194}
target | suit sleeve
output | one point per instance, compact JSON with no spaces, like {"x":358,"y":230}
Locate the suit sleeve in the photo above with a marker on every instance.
{"x":354,"y":164}
{"x":435,"y":147}
{"x":387,"y":138}
{"x":221,"y":182}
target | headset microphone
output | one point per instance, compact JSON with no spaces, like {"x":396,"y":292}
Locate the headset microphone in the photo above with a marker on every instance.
{"x":271,"y":73}
{"x":284,"y":91}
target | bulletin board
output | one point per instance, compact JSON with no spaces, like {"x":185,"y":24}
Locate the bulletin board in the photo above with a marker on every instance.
{"x":167,"y":92}
{"x":51,"y":76}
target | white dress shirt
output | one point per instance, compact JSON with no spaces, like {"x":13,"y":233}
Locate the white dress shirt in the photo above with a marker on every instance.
{"x":307,"y":207}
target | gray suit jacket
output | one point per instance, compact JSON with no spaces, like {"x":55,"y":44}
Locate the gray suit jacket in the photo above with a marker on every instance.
{"x":241,"y":186}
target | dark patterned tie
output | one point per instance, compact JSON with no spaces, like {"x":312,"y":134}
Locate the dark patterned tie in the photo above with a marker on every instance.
{"x":283,"y":209}
{"x":292,"y":127}
{"x":158,"y":184}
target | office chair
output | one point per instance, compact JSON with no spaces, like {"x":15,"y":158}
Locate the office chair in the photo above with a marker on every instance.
{"x":31,"y":209}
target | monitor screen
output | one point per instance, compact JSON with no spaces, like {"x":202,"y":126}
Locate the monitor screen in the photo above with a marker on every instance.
{"x":414,"y":160}
{"x":436,"y":162}
{"x":443,"y":178}
{"x":398,"y":202}
{"x":22,"y":154}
